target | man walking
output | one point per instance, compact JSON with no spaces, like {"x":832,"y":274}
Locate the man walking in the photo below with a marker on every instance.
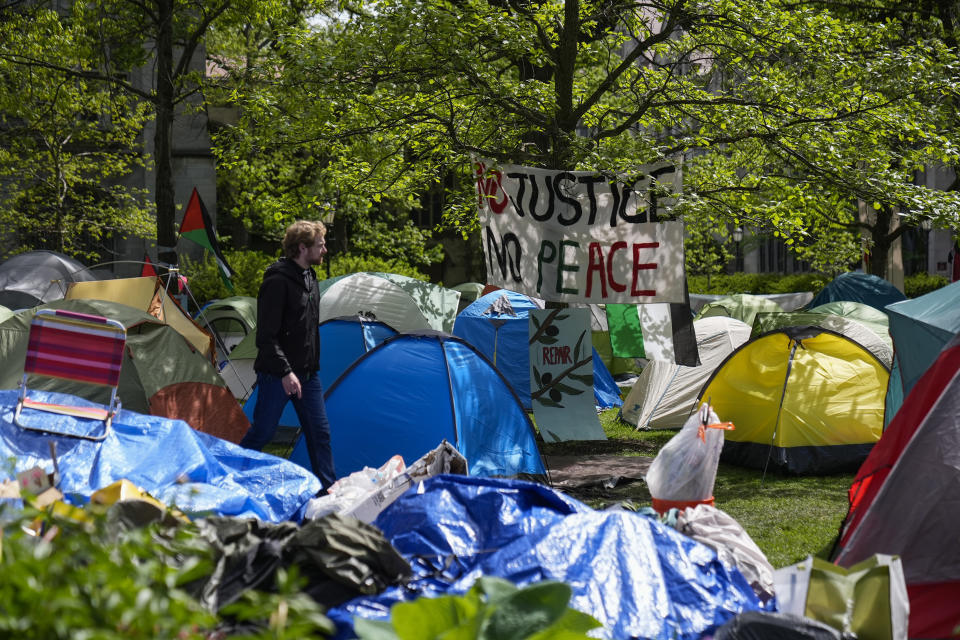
{"x":288,"y":348}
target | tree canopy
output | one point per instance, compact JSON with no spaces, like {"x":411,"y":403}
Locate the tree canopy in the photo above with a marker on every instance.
{"x":780,"y":116}
{"x":813,"y":122}
{"x":66,"y":143}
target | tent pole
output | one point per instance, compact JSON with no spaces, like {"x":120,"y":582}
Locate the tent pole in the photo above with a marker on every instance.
{"x":776,"y":424}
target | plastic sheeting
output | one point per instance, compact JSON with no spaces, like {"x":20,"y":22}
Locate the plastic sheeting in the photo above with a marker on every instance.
{"x":761,"y":625}
{"x":197,"y":473}
{"x":720,"y":531}
{"x":639,"y":578}
{"x":338,"y":558}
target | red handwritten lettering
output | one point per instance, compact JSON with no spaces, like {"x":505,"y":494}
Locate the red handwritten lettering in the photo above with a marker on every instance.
{"x":556,"y":355}
{"x":488,"y":187}
{"x":642,"y":266}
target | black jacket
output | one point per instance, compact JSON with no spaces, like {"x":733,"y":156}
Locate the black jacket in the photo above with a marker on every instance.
{"x":288,"y":314}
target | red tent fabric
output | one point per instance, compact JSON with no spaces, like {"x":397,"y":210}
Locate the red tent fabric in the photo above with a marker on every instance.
{"x":905,"y":500}
{"x":898,"y":433}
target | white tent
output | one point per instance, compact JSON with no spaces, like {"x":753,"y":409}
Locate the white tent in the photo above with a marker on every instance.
{"x":665,"y":394}
{"x":406,"y":304}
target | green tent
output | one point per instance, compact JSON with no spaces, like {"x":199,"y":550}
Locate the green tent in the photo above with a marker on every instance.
{"x":882,"y":349}
{"x":873,"y":319}
{"x":162,"y":374}
{"x":229,"y":320}
{"x":742,"y":306}
{"x":469,"y":292}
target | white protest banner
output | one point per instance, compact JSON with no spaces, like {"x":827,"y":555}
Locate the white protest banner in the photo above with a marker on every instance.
{"x":575,"y":236}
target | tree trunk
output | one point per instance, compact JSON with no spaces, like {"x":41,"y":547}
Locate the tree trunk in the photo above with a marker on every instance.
{"x":163,"y":139}
{"x":884,"y":232}
{"x":565,"y":121}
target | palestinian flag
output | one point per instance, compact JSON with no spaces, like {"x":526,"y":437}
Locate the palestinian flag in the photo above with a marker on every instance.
{"x":661,"y":331}
{"x":148,"y":269}
{"x":198,"y":227}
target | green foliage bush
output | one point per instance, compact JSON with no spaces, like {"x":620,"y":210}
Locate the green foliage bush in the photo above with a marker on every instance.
{"x":922,"y":283}
{"x":206,"y":284}
{"x":95,"y":577}
{"x":757,"y":283}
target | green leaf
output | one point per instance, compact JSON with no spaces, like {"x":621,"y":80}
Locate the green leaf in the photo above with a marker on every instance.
{"x":374,"y":630}
{"x":567,"y":389}
{"x":427,"y":618}
{"x":527,"y":611}
{"x":495,"y":588}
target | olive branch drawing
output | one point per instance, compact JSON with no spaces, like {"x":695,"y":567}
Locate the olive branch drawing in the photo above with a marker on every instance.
{"x":550,"y":389}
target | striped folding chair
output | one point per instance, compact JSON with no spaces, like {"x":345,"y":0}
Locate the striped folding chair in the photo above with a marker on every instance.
{"x":78,"y":347}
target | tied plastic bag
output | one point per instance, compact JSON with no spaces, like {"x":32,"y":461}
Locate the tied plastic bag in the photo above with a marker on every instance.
{"x":685,"y":469}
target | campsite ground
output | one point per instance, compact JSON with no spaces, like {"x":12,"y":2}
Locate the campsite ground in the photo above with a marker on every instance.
{"x":788,"y":517}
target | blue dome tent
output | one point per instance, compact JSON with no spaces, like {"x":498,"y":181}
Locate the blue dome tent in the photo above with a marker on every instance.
{"x":416,"y":389}
{"x":858,"y":287}
{"x":342,"y":341}
{"x":496,"y":324}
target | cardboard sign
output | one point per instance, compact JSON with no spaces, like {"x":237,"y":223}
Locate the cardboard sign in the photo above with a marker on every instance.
{"x":575,"y":236}
{"x":561,"y":375}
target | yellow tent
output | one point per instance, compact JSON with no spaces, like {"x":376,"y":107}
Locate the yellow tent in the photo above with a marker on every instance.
{"x":803,"y":399}
{"x":146,"y":294}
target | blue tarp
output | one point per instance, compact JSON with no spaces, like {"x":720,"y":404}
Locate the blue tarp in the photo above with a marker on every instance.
{"x":497,"y":324}
{"x":196,"y":472}
{"x":639,"y":578}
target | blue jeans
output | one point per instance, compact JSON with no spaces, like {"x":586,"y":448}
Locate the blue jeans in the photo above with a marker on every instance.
{"x":271,"y":400}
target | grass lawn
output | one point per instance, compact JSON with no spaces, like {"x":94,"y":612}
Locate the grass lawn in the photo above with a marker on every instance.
{"x":789,"y":517}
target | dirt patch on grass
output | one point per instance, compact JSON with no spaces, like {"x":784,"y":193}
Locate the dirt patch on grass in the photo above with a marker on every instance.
{"x":593,"y":447}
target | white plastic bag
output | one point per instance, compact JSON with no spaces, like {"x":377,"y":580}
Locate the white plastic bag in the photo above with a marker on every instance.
{"x":354,"y":488}
{"x":686,"y":467}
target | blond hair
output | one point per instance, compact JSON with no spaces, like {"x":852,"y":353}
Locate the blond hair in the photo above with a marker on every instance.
{"x":307,"y":232}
